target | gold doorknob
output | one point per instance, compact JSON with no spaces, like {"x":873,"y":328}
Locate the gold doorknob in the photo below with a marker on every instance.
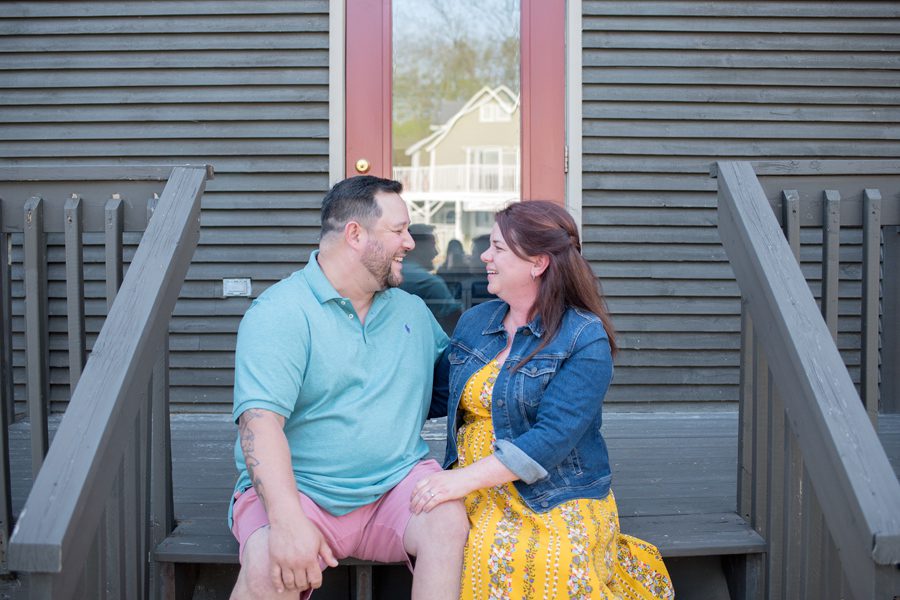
{"x":363,"y":166}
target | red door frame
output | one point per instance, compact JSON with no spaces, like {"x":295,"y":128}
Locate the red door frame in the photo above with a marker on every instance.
{"x":368,"y":86}
{"x":543,"y":93}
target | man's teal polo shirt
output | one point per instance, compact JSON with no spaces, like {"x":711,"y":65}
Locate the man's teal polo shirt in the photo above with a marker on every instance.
{"x":354,"y":396}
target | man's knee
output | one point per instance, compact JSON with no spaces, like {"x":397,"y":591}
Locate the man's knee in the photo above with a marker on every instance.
{"x":255,"y":578}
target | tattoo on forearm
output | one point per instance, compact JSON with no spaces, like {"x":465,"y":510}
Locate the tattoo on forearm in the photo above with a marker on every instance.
{"x":247,"y":446}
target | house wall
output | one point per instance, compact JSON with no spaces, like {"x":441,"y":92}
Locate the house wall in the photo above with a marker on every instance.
{"x":669,"y":87}
{"x":240,"y":85}
{"x":469,"y":131}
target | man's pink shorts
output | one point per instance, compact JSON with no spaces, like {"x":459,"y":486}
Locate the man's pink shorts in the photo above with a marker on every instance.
{"x":372,"y":532}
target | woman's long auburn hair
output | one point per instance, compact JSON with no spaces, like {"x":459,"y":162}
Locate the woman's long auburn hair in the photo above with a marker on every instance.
{"x":535,"y":227}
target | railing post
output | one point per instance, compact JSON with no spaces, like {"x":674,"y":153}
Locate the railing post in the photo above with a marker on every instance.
{"x":7,"y":390}
{"x":36,"y":342}
{"x":162,"y":506}
{"x":871,"y":265}
{"x":745,"y":418}
{"x":831,"y":247}
{"x":792,"y":489}
{"x":74,"y":288}
{"x":7,"y":400}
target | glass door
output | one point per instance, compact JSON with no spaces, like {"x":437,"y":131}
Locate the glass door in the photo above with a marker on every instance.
{"x":463,"y":102}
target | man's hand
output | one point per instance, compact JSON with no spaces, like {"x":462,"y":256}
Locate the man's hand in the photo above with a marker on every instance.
{"x":295,"y":549}
{"x":295,"y":544}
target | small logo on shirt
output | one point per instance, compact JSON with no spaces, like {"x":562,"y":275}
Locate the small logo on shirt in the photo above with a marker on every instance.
{"x":406,"y":327}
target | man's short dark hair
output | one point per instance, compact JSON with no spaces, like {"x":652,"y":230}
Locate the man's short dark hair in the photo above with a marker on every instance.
{"x":353,"y":199}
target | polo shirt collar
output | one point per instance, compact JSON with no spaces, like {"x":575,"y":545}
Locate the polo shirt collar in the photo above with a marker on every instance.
{"x":495,"y":323}
{"x":318,"y":283}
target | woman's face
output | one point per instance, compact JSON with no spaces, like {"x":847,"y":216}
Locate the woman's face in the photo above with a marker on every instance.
{"x":509,"y":276}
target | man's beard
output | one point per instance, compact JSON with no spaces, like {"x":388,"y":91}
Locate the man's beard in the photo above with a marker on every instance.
{"x":379,"y":264}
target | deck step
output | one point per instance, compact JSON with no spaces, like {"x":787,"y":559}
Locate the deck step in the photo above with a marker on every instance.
{"x":206,"y":541}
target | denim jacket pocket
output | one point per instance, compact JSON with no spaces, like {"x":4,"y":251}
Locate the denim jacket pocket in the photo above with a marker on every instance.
{"x":532,"y":379}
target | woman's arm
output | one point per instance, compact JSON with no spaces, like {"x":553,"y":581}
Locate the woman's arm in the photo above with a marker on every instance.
{"x":457,"y":483}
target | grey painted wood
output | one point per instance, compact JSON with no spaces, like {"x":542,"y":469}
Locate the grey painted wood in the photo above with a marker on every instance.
{"x":775,"y":474}
{"x":759,"y":518}
{"x":162,"y":511}
{"x":746,"y":411}
{"x":691,"y":456}
{"x":668,"y":85}
{"x":870,"y":302}
{"x":890,"y":349}
{"x":37,"y":349}
{"x":7,"y":398}
{"x":831,"y":218}
{"x":74,"y":288}
{"x":66,"y":499}
{"x":7,"y":401}
{"x":847,"y":465}
{"x":89,"y":87}
{"x":114,"y":224}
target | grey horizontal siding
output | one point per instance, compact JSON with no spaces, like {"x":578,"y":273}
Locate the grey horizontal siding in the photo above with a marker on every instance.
{"x":240,"y":85}
{"x":670,"y":87}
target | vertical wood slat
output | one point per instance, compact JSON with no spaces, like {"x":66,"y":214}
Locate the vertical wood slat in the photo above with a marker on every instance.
{"x":74,"y":227}
{"x":871,"y":267}
{"x":159,"y":492}
{"x":792,"y":505}
{"x":761,"y":423}
{"x":145,"y":555}
{"x":115,"y":537}
{"x":831,"y":245}
{"x":131,"y":501}
{"x":813,"y":540}
{"x":7,"y":396}
{"x":116,"y":521}
{"x":7,"y":400}
{"x":745,"y":418}
{"x":114,"y":225}
{"x":94,"y":587}
{"x":162,"y":506}
{"x":36,"y":338}
{"x":775,"y":476}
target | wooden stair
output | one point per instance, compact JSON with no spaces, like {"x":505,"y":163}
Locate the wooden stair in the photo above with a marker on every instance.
{"x":675,"y":478}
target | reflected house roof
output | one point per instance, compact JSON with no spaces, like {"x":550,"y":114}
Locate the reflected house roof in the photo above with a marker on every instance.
{"x":501,"y":94}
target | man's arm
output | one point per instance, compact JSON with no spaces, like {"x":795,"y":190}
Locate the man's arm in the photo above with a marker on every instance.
{"x":295,"y":544}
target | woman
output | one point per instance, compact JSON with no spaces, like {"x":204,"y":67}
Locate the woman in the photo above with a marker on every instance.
{"x":525,"y":378}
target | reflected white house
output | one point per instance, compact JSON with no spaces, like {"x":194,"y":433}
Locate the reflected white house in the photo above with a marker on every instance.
{"x":468,"y":168}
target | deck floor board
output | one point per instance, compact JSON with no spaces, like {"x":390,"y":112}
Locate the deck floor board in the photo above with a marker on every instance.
{"x":674,"y":479}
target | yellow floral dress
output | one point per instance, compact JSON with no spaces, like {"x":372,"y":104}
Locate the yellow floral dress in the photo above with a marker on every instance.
{"x":572,"y":551}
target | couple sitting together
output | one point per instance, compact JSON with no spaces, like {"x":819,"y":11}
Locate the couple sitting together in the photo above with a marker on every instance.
{"x":336,"y":371}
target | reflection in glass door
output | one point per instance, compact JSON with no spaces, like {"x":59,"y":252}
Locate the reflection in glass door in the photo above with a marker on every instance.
{"x":456,"y":128}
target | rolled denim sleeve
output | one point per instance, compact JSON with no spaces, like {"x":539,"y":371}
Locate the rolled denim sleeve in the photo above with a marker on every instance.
{"x":518,"y":462}
{"x":571,"y":403}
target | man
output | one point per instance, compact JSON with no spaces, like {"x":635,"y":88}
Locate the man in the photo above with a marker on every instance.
{"x":333,"y":377}
{"x":419,"y":278}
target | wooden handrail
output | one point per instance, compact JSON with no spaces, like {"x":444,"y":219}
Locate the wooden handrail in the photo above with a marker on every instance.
{"x":66,"y":504}
{"x":853,"y":480}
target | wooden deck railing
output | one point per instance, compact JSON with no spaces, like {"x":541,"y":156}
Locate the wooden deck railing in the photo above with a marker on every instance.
{"x":814,"y":480}
{"x":102,"y":494}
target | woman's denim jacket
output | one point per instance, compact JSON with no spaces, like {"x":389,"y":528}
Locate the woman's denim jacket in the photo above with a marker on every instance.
{"x":547,"y":414}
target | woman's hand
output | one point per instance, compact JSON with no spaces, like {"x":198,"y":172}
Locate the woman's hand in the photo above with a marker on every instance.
{"x":438,"y":488}
{"x":451,"y":485}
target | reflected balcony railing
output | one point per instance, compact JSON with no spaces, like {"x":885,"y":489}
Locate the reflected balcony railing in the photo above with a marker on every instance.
{"x":471,"y":179}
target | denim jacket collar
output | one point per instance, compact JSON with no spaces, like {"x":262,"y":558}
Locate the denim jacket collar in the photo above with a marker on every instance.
{"x":495,"y":323}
